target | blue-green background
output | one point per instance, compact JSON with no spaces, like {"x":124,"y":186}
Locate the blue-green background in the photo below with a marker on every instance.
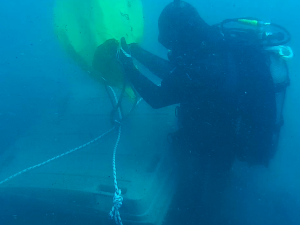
{"x":36,"y":76}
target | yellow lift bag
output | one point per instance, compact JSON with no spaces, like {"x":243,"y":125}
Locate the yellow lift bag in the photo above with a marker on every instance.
{"x":83,"y":25}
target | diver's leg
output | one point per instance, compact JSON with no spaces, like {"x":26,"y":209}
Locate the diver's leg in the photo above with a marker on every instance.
{"x":203,"y":169}
{"x":184,"y":204}
{"x":217,"y":162}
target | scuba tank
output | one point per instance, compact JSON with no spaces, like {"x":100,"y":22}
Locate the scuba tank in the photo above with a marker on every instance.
{"x":249,"y":31}
{"x":262,"y":29}
{"x":266,"y":42}
{"x":257,"y":53}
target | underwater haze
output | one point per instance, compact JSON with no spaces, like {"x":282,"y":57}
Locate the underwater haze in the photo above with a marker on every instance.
{"x":41,"y":86}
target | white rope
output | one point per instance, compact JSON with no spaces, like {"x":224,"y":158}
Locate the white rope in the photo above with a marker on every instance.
{"x":139,"y":101}
{"x":56,"y":157}
{"x":125,"y":53}
{"x":116,"y":99}
{"x":118,"y":199}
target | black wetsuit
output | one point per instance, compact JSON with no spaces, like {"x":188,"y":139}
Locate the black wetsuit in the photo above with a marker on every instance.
{"x":227,"y":108}
{"x":226,"y":99}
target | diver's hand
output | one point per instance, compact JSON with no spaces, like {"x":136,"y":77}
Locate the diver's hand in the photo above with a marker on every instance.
{"x":124,"y":56}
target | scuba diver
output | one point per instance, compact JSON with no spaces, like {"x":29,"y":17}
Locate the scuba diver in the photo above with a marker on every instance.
{"x":230,"y":103}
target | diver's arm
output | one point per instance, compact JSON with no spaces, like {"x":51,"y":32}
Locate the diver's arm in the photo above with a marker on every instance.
{"x":158,"y":66}
{"x":156,"y":96}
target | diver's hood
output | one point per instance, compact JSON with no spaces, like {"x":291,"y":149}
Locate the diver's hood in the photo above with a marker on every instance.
{"x":180,"y":26}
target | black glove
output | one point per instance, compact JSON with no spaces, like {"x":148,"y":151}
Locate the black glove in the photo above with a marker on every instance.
{"x":105,"y":56}
{"x":124,"y":57}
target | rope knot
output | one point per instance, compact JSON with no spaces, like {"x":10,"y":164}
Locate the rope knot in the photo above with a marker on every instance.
{"x":117,"y":201}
